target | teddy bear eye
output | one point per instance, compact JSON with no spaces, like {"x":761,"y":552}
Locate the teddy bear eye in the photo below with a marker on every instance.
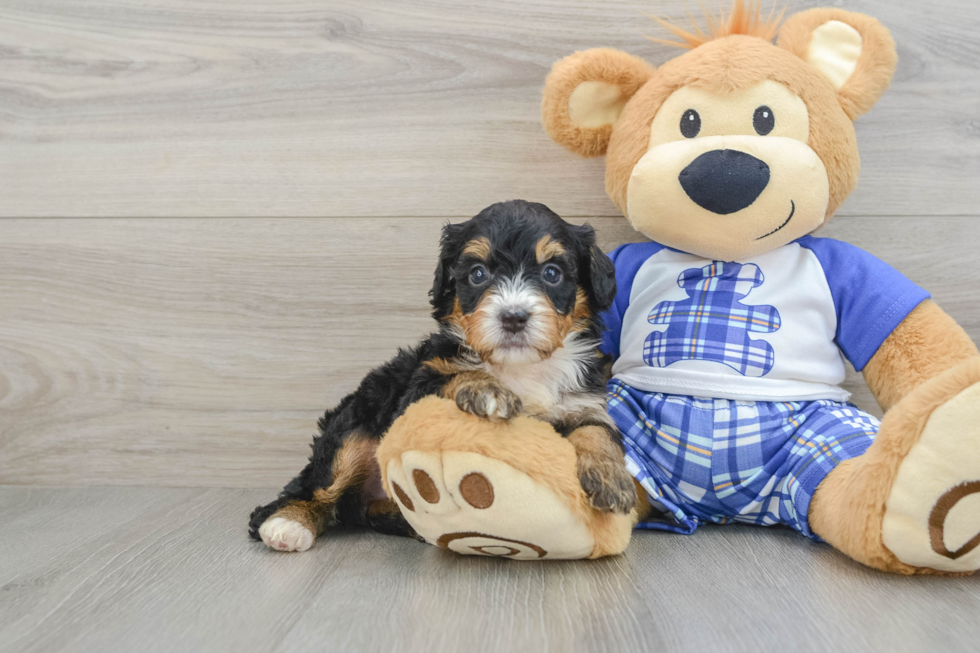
{"x":763,"y":120}
{"x":690,"y":123}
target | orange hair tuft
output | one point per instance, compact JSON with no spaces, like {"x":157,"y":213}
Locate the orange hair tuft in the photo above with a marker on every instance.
{"x":745,"y":17}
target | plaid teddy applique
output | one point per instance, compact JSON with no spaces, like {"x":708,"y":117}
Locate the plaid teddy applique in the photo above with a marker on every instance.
{"x":713,"y":324}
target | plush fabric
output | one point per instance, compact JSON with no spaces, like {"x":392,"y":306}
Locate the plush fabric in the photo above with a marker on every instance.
{"x":727,"y":157}
{"x":725,"y":65}
{"x":925,"y":344}
{"x":612,"y":68}
{"x":694,"y":168}
{"x":723,"y":461}
{"x":834,"y":299}
{"x":874,"y":68}
{"x":538,"y":508}
{"x":849,"y":507}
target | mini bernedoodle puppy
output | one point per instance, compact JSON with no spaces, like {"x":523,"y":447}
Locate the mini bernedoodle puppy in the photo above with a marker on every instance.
{"x":517,"y":295}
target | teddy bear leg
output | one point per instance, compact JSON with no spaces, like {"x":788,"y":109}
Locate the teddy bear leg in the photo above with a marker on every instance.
{"x":911,"y":503}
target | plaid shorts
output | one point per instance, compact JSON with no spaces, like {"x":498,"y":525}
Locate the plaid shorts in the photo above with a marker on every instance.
{"x":724,"y":461}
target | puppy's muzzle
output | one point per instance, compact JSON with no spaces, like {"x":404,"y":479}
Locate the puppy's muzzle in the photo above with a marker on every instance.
{"x":514,"y":321}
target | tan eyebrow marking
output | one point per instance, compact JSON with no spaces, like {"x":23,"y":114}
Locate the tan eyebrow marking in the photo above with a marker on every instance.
{"x":478,"y":247}
{"x":547,"y":248}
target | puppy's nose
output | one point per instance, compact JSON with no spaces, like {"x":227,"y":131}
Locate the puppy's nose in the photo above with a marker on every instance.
{"x":514,"y":321}
{"x":724,"y":181}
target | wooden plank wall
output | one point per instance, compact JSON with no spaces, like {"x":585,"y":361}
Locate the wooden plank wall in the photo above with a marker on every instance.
{"x":217,"y":216}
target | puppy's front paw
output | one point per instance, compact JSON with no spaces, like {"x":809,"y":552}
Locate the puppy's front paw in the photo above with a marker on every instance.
{"x":284,"y":534}
{"x":609,"y":486}
{"x":489,"y":400}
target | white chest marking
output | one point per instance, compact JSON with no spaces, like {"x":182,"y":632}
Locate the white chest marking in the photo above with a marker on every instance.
{"x":543,"y":385}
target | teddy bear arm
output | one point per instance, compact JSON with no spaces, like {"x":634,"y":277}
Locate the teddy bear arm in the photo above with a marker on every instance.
{"x":926,"y":343}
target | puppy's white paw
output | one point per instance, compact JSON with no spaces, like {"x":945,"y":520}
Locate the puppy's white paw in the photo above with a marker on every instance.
{"x":284,"y":534}
{"x":488,"y":400}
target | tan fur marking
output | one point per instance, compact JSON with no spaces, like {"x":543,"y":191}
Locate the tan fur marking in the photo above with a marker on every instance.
{"x":580,"y":313}
{"x":478,"y":247}
{"x":383,"y":507}
{"x":558,"y":326}
{"x":472,"y":326}
{"x":547,"y":249}
{"x":457,"y":315}
{"x":443,"y":366}
{"x":351,"y":467}
{"x":307,"y":513}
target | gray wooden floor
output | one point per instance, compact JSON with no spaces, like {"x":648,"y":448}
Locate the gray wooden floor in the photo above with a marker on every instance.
{"x":170,"y":318}
{"x":143,"y":570}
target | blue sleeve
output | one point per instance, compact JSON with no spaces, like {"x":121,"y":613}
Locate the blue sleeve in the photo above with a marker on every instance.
{"x":871,"y":297}
{"x":627,"y":259}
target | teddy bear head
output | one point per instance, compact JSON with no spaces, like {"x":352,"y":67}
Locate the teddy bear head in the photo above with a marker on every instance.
{"x":739,"y":145}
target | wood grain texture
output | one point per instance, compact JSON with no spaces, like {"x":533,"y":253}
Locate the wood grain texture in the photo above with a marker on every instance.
{"x":200,"y":352}
{"x":133,"y":108}
{"x":173,"y":570}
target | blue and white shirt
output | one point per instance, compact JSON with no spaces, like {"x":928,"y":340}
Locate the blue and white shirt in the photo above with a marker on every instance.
{"x":776,"y":327}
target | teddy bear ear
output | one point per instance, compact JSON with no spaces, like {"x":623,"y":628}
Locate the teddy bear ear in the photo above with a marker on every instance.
{"x":584,"y":95}
{"x":853,"y":51}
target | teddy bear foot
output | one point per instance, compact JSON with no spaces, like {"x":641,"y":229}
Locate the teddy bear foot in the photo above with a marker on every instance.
{"x":911,"y":503}
{"x":932,"y":516}
{"x":474,"y":505}
{"x":503,"y":489}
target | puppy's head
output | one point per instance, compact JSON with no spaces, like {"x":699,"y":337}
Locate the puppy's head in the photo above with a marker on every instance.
{"x":517,"y":280}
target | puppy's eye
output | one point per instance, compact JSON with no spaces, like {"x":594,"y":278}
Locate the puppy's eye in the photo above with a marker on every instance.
{"x":551,"y":274}
{"x":478,"y":275}
{"x":763,"y":120}
{"x":690,"y":123}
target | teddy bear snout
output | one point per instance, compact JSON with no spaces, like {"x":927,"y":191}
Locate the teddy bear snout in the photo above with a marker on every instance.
{"x":724,"y":181}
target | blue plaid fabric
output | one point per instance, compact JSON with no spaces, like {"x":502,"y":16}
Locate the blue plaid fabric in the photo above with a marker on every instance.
{"x":725,"y":461}
{"x":713,"y":324}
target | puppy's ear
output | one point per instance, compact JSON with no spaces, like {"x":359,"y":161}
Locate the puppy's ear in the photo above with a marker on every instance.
{"x":597,"y":274}
{"x":443,"y":293}
{"x":854,"y":52}
{"x":584,"y":95}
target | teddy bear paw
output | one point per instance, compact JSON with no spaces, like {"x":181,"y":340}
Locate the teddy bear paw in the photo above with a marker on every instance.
{"x":475,"y":505}
{"x":932,"y":515}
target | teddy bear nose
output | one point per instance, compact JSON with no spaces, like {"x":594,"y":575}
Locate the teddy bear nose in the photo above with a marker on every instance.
{"x":724,"y":181}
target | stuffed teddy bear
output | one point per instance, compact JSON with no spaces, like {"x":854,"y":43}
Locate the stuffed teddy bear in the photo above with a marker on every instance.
{"x":731,"y":327}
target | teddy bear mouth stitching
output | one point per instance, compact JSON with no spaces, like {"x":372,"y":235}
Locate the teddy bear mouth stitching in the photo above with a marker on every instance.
{"x":792,"y":211}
